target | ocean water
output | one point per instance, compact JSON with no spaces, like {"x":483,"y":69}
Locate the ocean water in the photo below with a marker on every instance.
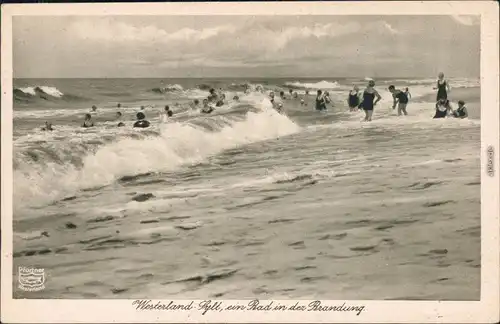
{"x":246,"y":202}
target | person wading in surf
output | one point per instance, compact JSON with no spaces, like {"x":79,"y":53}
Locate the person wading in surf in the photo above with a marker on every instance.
{"x":400,"y":99}
{"x":442,"y":87}
{"x":353,"y":99}
{"x":320,"y":101}
{"x":369,"y":100}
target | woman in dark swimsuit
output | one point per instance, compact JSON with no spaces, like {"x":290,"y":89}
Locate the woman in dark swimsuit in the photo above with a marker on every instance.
{"x":320,"y":101}
{"x":353,"y":99}
{"x":443,"y":108}
{"x":442,"y":87}
{"x":369,"y":100}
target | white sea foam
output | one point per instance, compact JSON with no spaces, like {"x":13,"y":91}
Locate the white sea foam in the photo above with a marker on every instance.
{"x":316,"y":85}
{"x":178,"y":144}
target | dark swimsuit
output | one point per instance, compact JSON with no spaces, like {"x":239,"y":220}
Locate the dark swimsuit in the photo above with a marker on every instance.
{"x":442,"y":94}
{"x":460,"y":112}
{"x":402,"y":97}
{"x":320,"y":104}
{"x":439,"y":113}
{"x":353,"y":100}
{"x":368,"y":99}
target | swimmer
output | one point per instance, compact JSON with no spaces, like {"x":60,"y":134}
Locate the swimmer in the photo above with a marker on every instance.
{"x":353,"y":99}
{"x":168,"y":111}
{"x":443,"y":108}
{"x":88,"y":122}
{"x":442,"y":87}
{"x":47,"y":127}
{"x":400,"y":99}
{"x":194,"y":104}
{"x":220,"y":102}
{"x":118,"y":118}
{"x":94,"y":108}
{"x":282,"y":95}
{"x":142,"y":107}
{"x":271,"y":97}
{"x":320,"y":101}
{"x":236,"y":98}
{"x":369,"y":100}
{"x":461,"y":111}
{"x":290,"y":91}
{"x":207,"y":108}
{"x":213,"y":96}
{"x":327,"y":97}
{"x":119,"y":105}
{"x":141,"y":121}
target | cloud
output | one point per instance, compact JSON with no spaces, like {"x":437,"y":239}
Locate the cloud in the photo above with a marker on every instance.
{"x":467,"y":20}
{"x":113,"y":31}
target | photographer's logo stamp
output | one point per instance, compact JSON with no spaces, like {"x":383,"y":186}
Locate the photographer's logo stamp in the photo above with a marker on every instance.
{"x":31,"y":279}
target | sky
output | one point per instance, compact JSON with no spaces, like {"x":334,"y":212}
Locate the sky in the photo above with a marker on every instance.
{"x":245,"y":46}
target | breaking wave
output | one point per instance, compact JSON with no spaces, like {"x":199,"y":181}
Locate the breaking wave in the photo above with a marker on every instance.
{"x":316,"y":85}
{"x":50,"y":171}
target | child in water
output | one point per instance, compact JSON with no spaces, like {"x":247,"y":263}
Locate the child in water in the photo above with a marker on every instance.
{"x":353,"y":99}
{"x":206,"y":109}
{"x":461,"y":111}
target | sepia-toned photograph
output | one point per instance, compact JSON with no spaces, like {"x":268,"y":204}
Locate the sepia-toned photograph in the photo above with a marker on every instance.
{"x":247,"y":157}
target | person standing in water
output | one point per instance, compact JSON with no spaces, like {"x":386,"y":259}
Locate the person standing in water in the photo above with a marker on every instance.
{"x":369,"y":100}
{"x":442,"y":87}
{"x":400,"y":99}
{"x":320,"y":101}
{"x":353,"y":99}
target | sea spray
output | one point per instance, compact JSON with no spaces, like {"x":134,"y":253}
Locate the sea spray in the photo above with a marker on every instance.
{"x":175,"y":145}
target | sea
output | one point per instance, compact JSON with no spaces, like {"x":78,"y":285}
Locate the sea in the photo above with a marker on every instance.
{"x":245,"y":202}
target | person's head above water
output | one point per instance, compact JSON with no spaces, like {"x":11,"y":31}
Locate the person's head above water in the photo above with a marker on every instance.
{"x":205,"y":101}
{"x":441,"y":75}
{"x":118,"y":105}
{"x":140,"y":116}
{"x":406,"y":89}
{"x":94,"y":108}
{"x":461,"y":103}
{"x":371,"y":83}
{"x":118,"y":114}
{"x":392,"y":88}
{"x":196,"y":101}
{"x":167,"y":108}
{"x":282,"y":93}
{"x":271,"y":94}
{"x":319,"y":92}
{"x":88,"y":116}
{"x":212,"y":91}
{"x":290,"y":91}
{"x":142,"y":107}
